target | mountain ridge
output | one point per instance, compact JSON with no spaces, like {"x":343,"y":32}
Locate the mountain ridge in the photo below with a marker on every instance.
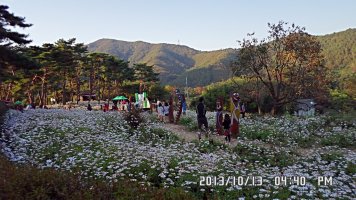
{"x":176,"y":62}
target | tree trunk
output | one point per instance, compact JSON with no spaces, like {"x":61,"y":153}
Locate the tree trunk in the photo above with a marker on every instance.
{"x":64,"y":89}
{"x":90,"y":84}
{"x":8,"y":92}
{"x":259,"y":109}
{"x":276,"y":109}
{"x":29,"y":95}
{"x":42,"y":94}
{"x":45,"y":94}
{"x":78,"y":88}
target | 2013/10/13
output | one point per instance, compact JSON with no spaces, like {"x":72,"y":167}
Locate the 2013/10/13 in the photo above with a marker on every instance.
{"x":230,"y":180}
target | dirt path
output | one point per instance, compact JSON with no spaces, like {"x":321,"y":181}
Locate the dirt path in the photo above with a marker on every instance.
{"x":182,"y":132}
{"x":187,"y":135}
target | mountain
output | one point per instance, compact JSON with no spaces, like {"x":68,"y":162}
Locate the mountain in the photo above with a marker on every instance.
{"x":173,"y":62}
{"x":176,"y":63}
{"x":339,"y":50}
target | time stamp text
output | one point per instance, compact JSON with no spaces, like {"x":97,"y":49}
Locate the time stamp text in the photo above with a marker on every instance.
{"x":259,"y":180}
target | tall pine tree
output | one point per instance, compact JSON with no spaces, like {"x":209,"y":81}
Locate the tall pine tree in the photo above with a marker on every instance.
{"x":8,"y":37}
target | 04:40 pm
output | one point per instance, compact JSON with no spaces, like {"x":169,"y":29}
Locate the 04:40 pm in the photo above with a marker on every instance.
{"x":289,"y":180}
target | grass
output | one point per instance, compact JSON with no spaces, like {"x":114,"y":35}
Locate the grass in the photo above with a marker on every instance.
{"x":189,"y":123}
{"x":340,"y":139}
{"x":351,"y":168}
{"x":331,"y":156}
{"x":253,"y":154}
{"x":210,"y":145}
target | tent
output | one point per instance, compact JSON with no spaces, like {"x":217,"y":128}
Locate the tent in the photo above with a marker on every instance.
{"x":18,"y":103}
{"x":119,"y":98}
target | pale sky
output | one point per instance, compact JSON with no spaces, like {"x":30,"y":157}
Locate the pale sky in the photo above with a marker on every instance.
{"x":200,"y":24}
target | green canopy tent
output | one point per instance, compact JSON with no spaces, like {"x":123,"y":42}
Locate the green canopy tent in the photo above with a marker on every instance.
{"x":119,"y":98}
{"x":18,"y":103}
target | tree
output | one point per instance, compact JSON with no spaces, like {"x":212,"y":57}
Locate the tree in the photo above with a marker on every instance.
{"x":8,"y":37}
{"x":288,"y":63}
{"x":95,"y":63}
{"x":158,"y":92}
{"x":145,"y":74}
{"x":67,"y":56}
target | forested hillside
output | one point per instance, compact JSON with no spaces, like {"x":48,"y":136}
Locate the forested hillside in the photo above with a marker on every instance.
{"x":176,"y":63}
{"x":339,"y":50}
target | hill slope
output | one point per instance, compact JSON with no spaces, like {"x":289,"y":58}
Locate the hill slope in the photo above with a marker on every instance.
{"x":340,"y":50}
{"x":175,"y":63}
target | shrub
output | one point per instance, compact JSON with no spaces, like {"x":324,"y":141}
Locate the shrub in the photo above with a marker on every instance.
{"x":26,"y":182}
{"x":331,"y":156}
{"x":133,"y":118}
{"x":351,"y":168}
{"x":340,"y":140}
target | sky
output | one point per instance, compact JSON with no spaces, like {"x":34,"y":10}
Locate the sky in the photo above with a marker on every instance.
{"x":200,"y":24}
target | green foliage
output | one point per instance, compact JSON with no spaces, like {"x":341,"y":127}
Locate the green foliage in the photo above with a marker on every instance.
{"x":157,"y":91}
{"x":209,"y":58}
{"x":305,"y":142}
{"x":265,"y":156}
{"x":201,"y":76}
{"x":341,"y":48}
{"x":341,"y":101}
{"x":331,"y":156}
{"x":351,"y":168}
{"x":218,"y":90}
{"x":189,"y":123}
{"x":10,"y":60}
{"x":340,"y":139}
{"x":145,"y":73}
{"x":340,"y":53}
{"x":256,"y":135}
{"x":210,"y":145}
{"x":133,"y":118}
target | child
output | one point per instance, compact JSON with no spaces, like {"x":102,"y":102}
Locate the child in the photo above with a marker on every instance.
{"x":226,"y":124}
{"x":160,"y":110}
{"x":166,"y":111}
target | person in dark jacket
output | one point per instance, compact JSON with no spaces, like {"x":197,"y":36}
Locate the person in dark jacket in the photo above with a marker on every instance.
{"x":89,"y":107}
{"x":227,"y":124}
{"x":201,"y":111}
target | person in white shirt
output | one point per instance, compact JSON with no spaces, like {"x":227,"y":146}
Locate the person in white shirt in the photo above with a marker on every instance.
{"x":160,"y":110}
{"x":166,"y":111}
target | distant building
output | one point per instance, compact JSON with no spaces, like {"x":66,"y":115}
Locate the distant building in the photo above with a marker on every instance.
{"x":305,"y":107}
{"x":84,"y":96}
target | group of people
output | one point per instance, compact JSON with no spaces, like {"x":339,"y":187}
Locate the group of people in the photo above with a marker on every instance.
{"x":163,"y":111}
{"x":225,"y":124}
{"x":123,"y":106}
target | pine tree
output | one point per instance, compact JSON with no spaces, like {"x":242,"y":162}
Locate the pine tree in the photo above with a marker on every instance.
{"x":8,"y":37}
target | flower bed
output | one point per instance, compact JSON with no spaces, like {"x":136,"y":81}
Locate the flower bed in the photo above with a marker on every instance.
{"x":103,"y":146}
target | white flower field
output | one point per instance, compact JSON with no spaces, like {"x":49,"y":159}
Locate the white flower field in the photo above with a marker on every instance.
{"x":102,"y":145}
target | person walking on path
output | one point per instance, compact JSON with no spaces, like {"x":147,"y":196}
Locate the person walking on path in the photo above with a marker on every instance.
{"x":219,"y":117}
{"x":89,"y":107}
{"x":166,"y":111}
{"x":243,"y":110}
{"x":235,"y":114}
{"x":201,"y":111}
{"x":160,"y":110}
